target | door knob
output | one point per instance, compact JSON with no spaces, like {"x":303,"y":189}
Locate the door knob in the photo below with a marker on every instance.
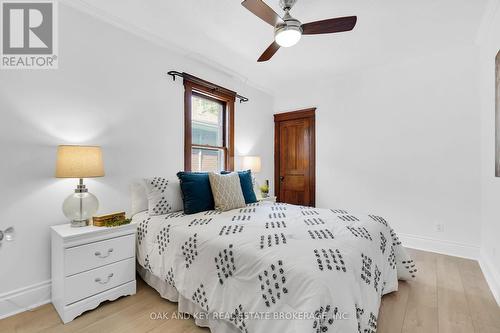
{"x":282,"y":178}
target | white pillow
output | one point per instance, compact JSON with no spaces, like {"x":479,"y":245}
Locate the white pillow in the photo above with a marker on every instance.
{"x":164,"y":195}
{"x":138,"y":197}
{"x":226,"y":190}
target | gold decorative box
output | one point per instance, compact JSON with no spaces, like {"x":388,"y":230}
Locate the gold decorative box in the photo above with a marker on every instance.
{"x":102,"y":220}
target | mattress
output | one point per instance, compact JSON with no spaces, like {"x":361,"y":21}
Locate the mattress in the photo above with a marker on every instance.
{"x":273,"y":267}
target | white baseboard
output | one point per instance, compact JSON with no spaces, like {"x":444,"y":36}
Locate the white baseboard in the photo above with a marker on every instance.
{"x":24,"y":299}
{"x":491,"y":274}
{"x":440,"y":246}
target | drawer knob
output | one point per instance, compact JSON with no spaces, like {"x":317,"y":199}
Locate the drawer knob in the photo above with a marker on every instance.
{"x":100,"y":255}
{"x":98,"y":280}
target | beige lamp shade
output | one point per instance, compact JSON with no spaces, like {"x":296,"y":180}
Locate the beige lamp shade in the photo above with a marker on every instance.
{"x":79,"y":162}
{"x":251,"y":162}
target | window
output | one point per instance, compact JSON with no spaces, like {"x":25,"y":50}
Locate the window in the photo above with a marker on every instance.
{"x":208,"y":140}
{"x":209,"y":137}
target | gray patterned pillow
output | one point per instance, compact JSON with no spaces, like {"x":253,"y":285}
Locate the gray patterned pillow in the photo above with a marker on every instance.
{"x":226,"y":190}
{"x":164,"y":195}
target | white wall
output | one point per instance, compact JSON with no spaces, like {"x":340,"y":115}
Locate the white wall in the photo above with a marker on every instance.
{"x":402,"y":141}
{"x":111,"y":89}
{"x":490,"y":186}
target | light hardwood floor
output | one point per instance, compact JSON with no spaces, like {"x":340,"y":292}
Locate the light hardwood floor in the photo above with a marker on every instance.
{"x":449,"y":295}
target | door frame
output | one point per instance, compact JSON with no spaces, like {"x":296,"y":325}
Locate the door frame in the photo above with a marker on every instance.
{"x":298,"y":114}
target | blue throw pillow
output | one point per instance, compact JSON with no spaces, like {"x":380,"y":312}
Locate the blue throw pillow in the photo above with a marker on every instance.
{"x":246,"y":185}
{"x":196,"y":192}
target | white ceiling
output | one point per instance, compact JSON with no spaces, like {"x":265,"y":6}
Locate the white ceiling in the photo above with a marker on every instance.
{"x":225,"y":33}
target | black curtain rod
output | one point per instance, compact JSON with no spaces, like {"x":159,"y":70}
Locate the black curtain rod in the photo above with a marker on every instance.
{"x":173,"y":74}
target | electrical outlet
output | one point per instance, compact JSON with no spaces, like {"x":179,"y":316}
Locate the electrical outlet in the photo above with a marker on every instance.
{"x":439,"y":227}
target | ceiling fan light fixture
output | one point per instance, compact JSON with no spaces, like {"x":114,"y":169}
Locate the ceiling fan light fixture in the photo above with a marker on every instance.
{"x":288,"y":30}
{"x":287,"y":36}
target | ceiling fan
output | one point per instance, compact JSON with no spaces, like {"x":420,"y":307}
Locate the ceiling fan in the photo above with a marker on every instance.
{"x":288,"y":30}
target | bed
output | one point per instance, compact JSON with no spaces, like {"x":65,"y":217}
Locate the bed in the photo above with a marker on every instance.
{"x":273,"y":267}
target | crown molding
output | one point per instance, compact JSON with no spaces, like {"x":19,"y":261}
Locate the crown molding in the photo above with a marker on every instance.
{"x":171,"y":47}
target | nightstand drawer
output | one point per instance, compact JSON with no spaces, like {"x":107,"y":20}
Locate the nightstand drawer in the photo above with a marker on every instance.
{"x":82,"y":258}
{"x":95,"y":281}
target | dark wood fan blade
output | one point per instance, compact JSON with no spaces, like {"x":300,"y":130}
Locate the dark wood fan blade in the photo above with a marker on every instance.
{"x":269,"y":52}
{"x":260,"y":9}
{"x":329,"y":26}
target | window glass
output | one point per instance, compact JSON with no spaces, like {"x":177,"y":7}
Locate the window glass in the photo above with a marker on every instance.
{"x":207,"y":121}
{"x":207,"y":160}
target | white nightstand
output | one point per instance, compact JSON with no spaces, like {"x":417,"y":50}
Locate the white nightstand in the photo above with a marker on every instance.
{"x":91,"y":265}
{"x":270,"y":199}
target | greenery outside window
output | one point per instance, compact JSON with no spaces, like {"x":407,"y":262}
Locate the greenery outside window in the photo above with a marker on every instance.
{"x":209,"y":127}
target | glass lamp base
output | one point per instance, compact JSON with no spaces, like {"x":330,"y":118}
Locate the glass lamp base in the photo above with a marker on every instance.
{"x":78,"y":224}
{"x":80,"y":206}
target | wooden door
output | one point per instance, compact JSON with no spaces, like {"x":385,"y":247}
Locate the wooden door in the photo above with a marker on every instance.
{"x":294,"y":157}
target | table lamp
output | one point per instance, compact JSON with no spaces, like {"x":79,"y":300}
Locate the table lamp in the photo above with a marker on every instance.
{"x":252,"y":163}
{"x":79,"y":162}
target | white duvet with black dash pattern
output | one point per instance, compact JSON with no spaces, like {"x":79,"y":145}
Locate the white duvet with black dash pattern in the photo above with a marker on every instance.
{"x":326,"y":269}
